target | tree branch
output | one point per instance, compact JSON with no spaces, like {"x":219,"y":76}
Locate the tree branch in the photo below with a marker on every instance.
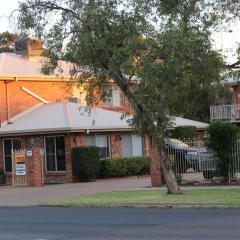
{"x":51,"y":6}
{"x":235,"y":65}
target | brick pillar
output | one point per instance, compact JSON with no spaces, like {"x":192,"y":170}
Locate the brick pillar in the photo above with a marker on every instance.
{"x":68,"y":158}
{"x":155,"y":166}
{"x":34,"y":168}
{"x":115,"y":144}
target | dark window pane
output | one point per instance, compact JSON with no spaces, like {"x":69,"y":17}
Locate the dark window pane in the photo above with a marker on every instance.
{"x":60,"y":150}
{"x":7,"y":147}
{"x":51,"y":166}
{"x":50,"y":145}
{"x":103,"y":152}
{"x":16,"y":144}
{"x":8,"y":163}
{"x":61,"y":165}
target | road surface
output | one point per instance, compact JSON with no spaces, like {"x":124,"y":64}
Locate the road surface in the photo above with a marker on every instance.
{"x":54,"y":223}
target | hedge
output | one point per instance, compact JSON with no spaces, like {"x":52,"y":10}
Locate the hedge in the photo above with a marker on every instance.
{"x":85,"y":163}
{"x":220,"y":138}
{"x":124,"y":166}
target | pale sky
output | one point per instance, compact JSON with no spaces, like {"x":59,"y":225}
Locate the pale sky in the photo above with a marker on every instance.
{"x":225,"y":40}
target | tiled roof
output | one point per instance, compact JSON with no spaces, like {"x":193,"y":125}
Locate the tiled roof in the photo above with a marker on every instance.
{"x":67,"y":116}
{"x":64,"y":116}
{"x":15,"y":65}
{"x":179,"y":121}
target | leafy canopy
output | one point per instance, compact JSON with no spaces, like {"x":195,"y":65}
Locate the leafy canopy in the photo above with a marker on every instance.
{"x":157,"y":41}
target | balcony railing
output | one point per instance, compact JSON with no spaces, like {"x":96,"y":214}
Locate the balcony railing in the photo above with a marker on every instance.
{"x":231,"y":112}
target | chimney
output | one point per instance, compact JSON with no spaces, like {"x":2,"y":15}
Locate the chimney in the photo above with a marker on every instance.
{"x":29,"y":48}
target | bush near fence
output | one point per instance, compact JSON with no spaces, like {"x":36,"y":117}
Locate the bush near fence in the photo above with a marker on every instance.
{"x":221,"y":137}
{"x":124,"y":166}
{"x":184,"y":132}
{"x":85,"y":163}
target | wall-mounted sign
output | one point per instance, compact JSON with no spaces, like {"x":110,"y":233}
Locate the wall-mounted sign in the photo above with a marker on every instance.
{"x":29,"y":153}
{"x":20,"y":166}
{"x":19,"y":159}
{"x":20,"y":172}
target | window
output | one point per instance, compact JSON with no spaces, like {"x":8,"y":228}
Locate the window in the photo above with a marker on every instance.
{"x":131,"y":145}
{"x":55,"y":153}
{"x":100,"y":141}
{"x":114,"y":97}
{"x":10,"y":144}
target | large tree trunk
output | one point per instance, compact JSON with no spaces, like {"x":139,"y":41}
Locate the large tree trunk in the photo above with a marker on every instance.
{"x":169,"y":175}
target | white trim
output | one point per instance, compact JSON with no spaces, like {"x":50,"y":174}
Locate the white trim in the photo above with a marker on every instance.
{"x":45,"y":153}
{"x":33,"y":94}
{"x":95,"y":143}
{"x":131,"y":136}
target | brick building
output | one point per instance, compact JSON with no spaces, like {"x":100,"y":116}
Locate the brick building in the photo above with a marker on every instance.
{"x":53,"y":129}
{"x":44,"y":110}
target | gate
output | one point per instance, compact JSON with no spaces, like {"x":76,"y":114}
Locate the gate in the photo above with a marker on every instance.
{"x":19,"y":168}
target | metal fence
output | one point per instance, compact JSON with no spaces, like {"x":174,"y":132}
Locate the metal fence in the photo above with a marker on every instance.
{"x":192,"y":161}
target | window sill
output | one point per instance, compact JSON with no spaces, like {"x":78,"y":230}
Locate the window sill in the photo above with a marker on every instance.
{"x":114,"y":107}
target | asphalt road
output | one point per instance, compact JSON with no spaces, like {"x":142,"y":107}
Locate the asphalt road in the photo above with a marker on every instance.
{"x":52,"y":223}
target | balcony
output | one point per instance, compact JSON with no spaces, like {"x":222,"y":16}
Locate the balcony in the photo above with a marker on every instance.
{"x":228,"y":112}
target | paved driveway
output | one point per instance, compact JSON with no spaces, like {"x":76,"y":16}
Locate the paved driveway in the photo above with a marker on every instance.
{"x":24,"y":196}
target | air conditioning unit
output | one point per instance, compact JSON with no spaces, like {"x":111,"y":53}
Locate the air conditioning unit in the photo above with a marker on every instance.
{"x":74,"y":100}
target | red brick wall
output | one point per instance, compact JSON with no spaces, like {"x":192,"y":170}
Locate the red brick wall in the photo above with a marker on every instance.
{"x":115,"y":144}
{"x":35,"y":168}
{"x":20,"y":101}
{"x":155,"y":167}
{"x":2,"y":101}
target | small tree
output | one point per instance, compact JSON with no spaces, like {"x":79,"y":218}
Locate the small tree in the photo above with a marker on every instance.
{"x":220,"y":138}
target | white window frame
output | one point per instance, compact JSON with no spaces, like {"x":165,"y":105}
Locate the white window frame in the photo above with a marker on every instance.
{"x":111,"y":101}
{"x":45,"y":153}
{"x":142,"y":141}
{"x":108,"y":141}
{"x":4,"y":151}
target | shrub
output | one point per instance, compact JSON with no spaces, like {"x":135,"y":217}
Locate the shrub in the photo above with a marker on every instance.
{"x":184,"y":132}
{"x":220,"y":138}
{"x":85,"y":163}
{"x":122,"y":167}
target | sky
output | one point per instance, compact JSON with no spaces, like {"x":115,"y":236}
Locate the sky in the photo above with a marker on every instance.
{"x":225,"y":40}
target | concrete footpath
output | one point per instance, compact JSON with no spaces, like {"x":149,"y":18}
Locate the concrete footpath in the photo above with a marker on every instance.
{"x":26,"y":196}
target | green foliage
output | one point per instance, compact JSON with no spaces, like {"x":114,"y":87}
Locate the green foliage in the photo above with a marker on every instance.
{"x":220,"y":137}
{"x":85,"y":163}
{"x":122,"y":167}
{"x":184,"y":132}
{"x":7,"y":41}
{"x":165,"y":47}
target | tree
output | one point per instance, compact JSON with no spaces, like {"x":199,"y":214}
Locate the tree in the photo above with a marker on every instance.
{"x":149,"y":42}
{"x":7,"y":41}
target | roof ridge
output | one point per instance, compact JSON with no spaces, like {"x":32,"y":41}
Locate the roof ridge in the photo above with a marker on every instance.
{"x":66,"y":114}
